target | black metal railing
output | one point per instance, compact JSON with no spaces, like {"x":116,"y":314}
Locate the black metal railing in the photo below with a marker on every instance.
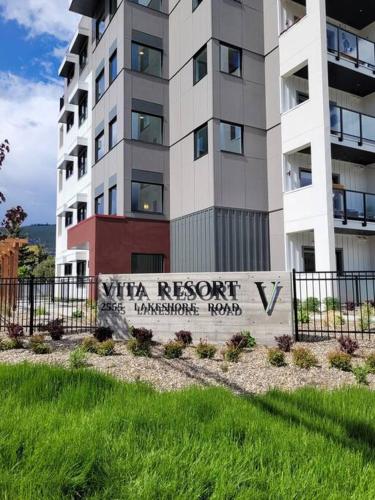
{"x":332,"y":304}
{"x":349,"y":124}
{"x":353,"y":205}
{"x":33,"y":302}
{"x":348,"y":46}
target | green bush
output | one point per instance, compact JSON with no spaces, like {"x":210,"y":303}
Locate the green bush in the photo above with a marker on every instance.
{"x":340,"y":360}
{"x":9,"y":344}
{"x":138,"y":348}
{"x":106,"y":348}
{"x":333,"y":320}
{"x":360,"y":373}
{"x":276,"y":357}
{"x":304,"y":358}
{"x":78,"y":358}
{"x":89,"y":344}
{"x":40,"y":311}
{"x":303,"y":316}
{"x":231,"y":353}
{"x":250,"y":340}
{"x":77,"y":314}
{"x":173,"y":349}
{"x":370,"y":362}
{"x":205,"y":350}
{"x":38,"y":345}
{"x":365,"y":316}
{"x":311,"y":304}
{"x":331,"y":304}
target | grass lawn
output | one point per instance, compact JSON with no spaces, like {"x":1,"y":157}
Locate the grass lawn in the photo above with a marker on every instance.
{"x":79,"y":434}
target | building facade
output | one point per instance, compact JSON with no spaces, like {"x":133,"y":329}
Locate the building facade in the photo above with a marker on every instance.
{"x":217,"y":135}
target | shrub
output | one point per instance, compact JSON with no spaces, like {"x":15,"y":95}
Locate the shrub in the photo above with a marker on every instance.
{"x":231,"y":353}
{"x":284,"y":343}
{"x":40,"y":348}
{"x":78,"y":358}
{"x":311,"y":304}
{"x":15,"y":333}
{"x":333,"y":320}
{"x":9,"y":344}
{"x":340,"y":360}
{"x":360,"y":373}
{"x":185,"y":338}
{"x":55,"y":329}
{"x":106,"y":348}
{"x":77,"y":314}
{"x":348,"y":345}
{"x":304,"y":358}
{"x":350,"y":306}
{"x":37,"y":339}
{"x":205,"y":350}
{"x":365,"y":316}
{"x":303,"y":316}
{"x":331,"y":304}
{"x":250,"y":340}
{"x":276,"y":357}
{"x":40,"y":311}
{"x":89,"y":344}
{"x":173,"y":349}
{"x":139,"y":348}
{"x":103,"y":333}
{"x":142,"y":335}
{"x":238,"y":341}
{"x":370,"y":362}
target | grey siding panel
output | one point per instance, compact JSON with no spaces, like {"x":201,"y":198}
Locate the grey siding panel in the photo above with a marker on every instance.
{"x":219,"y":240}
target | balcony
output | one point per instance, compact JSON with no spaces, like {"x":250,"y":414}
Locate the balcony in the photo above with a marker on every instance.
{"x":353,"y":135}
{"x":354,"y":206}
{"x":84,"y":7}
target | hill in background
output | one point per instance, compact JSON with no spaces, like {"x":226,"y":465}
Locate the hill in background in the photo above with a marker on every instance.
{"x":41,"y":234}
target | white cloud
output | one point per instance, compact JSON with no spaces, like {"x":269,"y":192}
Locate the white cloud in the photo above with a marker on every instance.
{"x":41,"y":16}
{"x":28,"y":112}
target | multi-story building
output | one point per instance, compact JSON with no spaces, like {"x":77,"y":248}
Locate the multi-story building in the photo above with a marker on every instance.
{"x":218,"y":135}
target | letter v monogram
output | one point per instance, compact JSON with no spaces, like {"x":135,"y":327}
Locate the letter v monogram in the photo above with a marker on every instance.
{"x":268,"y":306}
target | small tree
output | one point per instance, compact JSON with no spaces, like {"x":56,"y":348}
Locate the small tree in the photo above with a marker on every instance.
{"x":4,"y":150}
{"x":13,"y":220}
{"x":46,"y":268}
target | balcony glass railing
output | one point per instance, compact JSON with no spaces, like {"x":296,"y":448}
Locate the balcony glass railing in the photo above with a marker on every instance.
{"x":353,"y":205}
{"x":346,"y":45}
{"x":349,"y":124}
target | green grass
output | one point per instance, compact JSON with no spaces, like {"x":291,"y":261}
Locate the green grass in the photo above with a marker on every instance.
{"x":78,"y":434}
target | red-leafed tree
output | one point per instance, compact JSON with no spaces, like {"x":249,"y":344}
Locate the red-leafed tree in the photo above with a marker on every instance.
{"x":4,"y":150}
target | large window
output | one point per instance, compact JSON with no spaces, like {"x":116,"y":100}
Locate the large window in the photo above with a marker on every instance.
{"x":99,"y":86}
{"x":112,"y":200}
{"x":70,"y":122}
{"x":82,"y":109}
{"x":147,"y":128}
{"x":82,"y":163}
{"x":200,"y":65}
{"x":83,"y":56}
{"x":113,"y":66}
{"x":100,"y":26}
{"x":147,"y":198}
{"x":99,"y":146}
{"x":146,"y":59}
{"x":230,"y":59}
{"x":99,"y":204}
{"x":68,"y":269}
{"x":308,"y":255}
{"x":81,"y":211}
{"x":152,"y":4}
{"x":113,"y":133}
{"x":69,"y":170}
{"x":147,"y":263}
{"x":201,"y":141}
{"x":70,"y":75}
{"x":231,"y":137}
{"x":68,"y":219}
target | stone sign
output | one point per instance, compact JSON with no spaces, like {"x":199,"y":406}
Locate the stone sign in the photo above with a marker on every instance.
{"x":212,"y":306}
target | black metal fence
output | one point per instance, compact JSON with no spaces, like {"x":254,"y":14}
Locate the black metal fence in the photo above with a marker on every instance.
{"x":34,"y":302}
{"x":330,"y":304}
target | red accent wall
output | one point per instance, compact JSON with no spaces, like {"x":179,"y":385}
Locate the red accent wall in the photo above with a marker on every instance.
{"x":111,"y":241}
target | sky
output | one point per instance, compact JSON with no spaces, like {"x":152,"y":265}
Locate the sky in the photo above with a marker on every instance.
{"x":34,"y":35}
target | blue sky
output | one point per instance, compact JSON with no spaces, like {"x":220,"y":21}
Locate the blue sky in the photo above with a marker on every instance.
{"x":33,"y":38}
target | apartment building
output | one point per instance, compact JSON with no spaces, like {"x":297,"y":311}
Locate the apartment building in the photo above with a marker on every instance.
{"x":217,"y":135}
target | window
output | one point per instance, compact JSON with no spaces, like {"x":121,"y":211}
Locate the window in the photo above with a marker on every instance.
{"x":69,"y":170}
{"x":309,"y":260}
{"x":201,"y":142}
{"x":112,"y":7}
{"x":200,"y":65}
{"x":82,"y":163}
{"x":81,"y":211}
{"x":152,"y":4}
{"x":230,"y":60}
{"x":146,"y":59}
{"x":99,"y":205}
{"x":305,"y":178}
{"x":68,"y":269}
{"x":83,"y":57}
{"x":302,"y":97}
{"x":113,"y":133}
{"x":82,"y":109}
{"x":70,"y":75}
{"x":147,"y":198}
{"x":99,"y":146}
{"x":147,"y":263}
{"x":231,"y":138}
{"x":147,"y":128}
{"x":81,"y":268}
{"x":196,"y":3}
{"x":68,"y":219}
{"x":99,"y":86}
{"x":70,"y":122}
{"x":113,"y":67}
{"x":100,"y":26}
{"x":112,"y":200}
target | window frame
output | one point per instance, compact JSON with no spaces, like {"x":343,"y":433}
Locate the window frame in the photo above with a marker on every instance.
{"x":82,"y":154}
{"x":97,"y":138}
{"x":148,"y":211}
{"x":110,"y":207}
{"x":161,"y":52}
{"x":69,"y":171}
{"x":242,"y":138}
{"x":113,"y":57}
{"x":112,"y":144}
{"x":99,"y":19}
{"x":196,"y":157}
{"x":97,"y":198}
{"x":229,"y":46}
{"x":138,"y":254}
{"x":97,"y":80}
{"x":196,"y":55}
{"x":82,"y":117}
{"x":81,"y":208}
{"x":68,"y":218}
{"x":161,"y":118}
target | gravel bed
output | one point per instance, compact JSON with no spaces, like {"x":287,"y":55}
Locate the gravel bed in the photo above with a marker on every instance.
{"x":252,"y":374}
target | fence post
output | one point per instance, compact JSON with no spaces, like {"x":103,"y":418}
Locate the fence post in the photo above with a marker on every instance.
{"x":295,"y":303}
{"x":31,"y":302}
